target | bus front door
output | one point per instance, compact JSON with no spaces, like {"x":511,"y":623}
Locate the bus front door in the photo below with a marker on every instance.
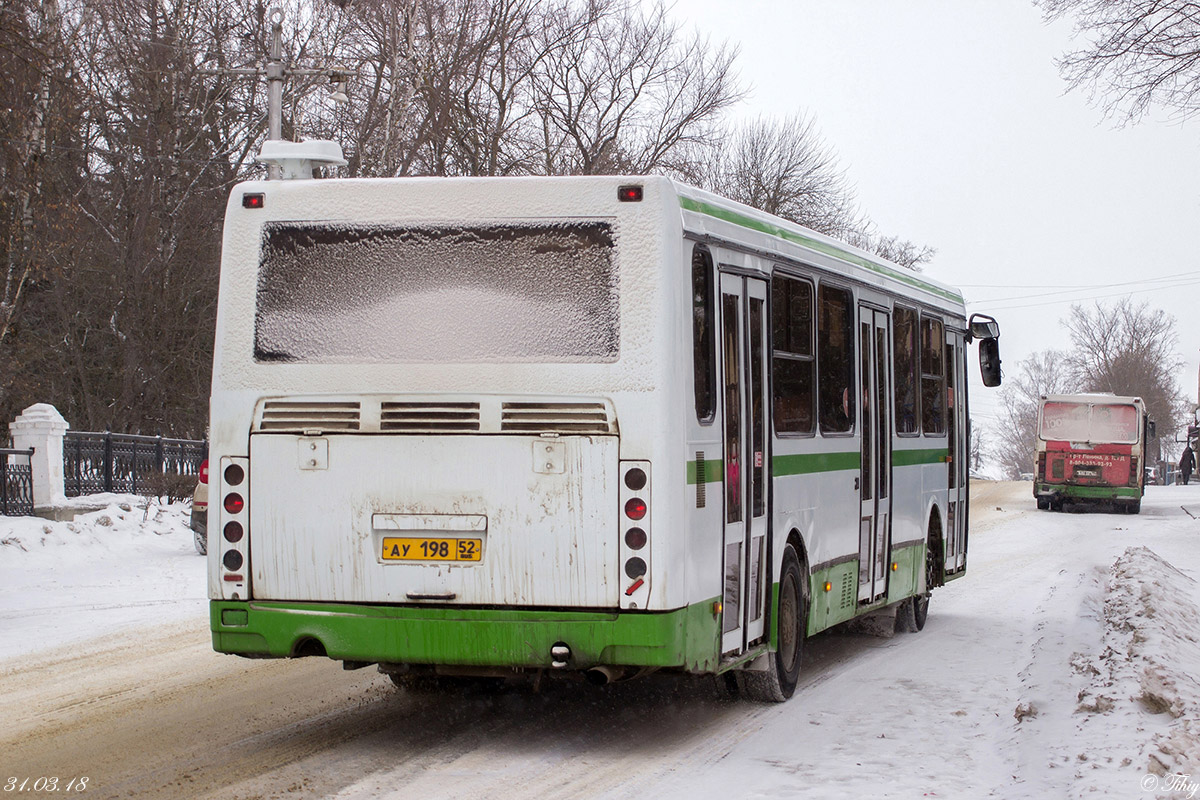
{"x":747,"y":472}
{"x":875,"y":485}
{"x":958,"y":443}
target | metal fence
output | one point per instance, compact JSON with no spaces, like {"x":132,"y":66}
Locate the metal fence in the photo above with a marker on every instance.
{"x":121,"y":462}
{"x":16,"y":482}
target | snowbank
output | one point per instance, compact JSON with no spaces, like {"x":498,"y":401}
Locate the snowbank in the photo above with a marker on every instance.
{"x":1153,"y":656}
{"x":130,"y":564}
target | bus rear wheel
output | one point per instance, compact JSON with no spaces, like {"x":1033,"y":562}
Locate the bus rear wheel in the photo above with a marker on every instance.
{"x":778,"y":683}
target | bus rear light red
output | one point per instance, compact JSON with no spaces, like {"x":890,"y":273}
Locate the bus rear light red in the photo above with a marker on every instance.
{"x":233,"y":578}
{"x":635,"y":538}
{"x":635,"y":508}
{"x":234,"y":503}
{"x":204,"y":471}
{"x":234,"y":474}
{"x":234,"y":532}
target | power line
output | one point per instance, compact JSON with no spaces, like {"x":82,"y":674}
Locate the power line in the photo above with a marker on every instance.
{"x":989,"y":306}
{"x":1067,"y":285}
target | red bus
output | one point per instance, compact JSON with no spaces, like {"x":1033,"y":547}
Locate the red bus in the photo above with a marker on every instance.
{"x":1091,"y":448}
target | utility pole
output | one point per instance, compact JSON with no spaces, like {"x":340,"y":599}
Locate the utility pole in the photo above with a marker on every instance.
{"x":276,"y":72}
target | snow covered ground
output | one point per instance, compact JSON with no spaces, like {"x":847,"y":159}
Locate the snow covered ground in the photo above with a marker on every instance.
{"x":1066,"y":664}
{"x":131,"y":564}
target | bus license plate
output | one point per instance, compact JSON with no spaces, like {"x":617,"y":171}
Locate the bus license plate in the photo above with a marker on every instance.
{"x":422,"y":549}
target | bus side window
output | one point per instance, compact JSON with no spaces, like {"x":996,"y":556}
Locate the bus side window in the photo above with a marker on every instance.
{"x":835,"y":359}
{"x":703,"y":338}
{"x":905,"y":369}
{"x":933,"y":377}
{"x":793,"y":364}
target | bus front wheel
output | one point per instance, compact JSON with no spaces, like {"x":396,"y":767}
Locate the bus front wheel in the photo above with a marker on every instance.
{"x":778,"y":682}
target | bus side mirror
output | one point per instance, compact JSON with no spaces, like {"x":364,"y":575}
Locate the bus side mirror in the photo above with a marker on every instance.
{"x":989,"y":361}
{"x":984,"y":327}
{"x":1150,"y":429}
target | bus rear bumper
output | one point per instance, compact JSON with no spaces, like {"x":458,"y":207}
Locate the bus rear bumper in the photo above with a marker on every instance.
{"x":1072,"y":493}
{"x":687,"y":638}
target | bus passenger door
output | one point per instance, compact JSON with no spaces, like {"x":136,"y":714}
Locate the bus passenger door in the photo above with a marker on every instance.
{"x":747,"y":474}
{"x":958,"y":445}
{"x":874,"y":542}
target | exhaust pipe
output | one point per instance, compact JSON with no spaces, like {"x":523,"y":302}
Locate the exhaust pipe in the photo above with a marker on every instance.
{"x":602,"y":674}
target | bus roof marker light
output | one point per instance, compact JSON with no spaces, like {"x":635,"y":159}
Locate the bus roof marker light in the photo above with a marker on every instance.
{"x":629,"y":194}
{"x":253,"y":200}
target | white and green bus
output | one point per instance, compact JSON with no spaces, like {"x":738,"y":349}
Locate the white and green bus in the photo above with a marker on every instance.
{"x":597,"y":425}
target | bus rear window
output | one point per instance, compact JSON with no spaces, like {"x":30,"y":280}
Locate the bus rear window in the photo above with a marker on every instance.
{"x":338,"y":293}
{"x":1083,"y":422}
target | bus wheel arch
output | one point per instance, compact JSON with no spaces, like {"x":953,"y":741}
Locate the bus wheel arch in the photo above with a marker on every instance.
{"x":307,"y":646}
{"x":790,"y":614}
{"x":934,"y":552}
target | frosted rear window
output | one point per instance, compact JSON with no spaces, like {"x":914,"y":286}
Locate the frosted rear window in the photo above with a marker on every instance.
{"x":336,"y":293}
{"x":1081,"y":422}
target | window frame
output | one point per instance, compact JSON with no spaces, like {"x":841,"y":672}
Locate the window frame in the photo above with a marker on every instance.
{"x":708,"y":346}
{"x":940,"y":348}
{"x":852,"y":332}
{"x":787,"y":355}
{"x":914,"y":371}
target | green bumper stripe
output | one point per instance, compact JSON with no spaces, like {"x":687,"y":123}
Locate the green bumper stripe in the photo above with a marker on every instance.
{"x":806,"y":463}
{"x":688,"y":638}
{"x":1091,"y":492}
{"x":795,"y":235}
{"x":713,"y":470}
{"x":908,"y":458}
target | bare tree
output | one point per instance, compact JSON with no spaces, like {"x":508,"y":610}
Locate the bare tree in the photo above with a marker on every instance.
{"x":620,"y":90}
{"x":1129,"y":349}
{"x":785,"y":168}
{"x":1040,"y":374}
{"x":1137,"y":53}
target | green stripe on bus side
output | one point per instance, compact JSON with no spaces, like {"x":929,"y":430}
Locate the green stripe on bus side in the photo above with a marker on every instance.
{"x":729,"y":215}
{"x":712,"y":471}
{"x":909,"y":458}
{"x":807,"y":463}
{"x":687,"y":638}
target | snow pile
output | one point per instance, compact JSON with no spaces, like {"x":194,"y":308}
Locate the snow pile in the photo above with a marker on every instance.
{"x":131,"y":563}
{"x":1150,"y":615}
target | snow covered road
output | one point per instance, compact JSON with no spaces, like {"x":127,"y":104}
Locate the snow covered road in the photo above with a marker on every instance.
{"x":1064,"y":665}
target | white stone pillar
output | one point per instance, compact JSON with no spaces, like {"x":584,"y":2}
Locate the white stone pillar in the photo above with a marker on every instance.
{"x":41,"y":427}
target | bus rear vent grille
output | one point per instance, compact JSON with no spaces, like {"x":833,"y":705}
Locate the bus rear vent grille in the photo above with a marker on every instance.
{"x":416,"y":417}
{"x":301,"y":416}
{"x":848,"y":590}
{"x":525,"y":417}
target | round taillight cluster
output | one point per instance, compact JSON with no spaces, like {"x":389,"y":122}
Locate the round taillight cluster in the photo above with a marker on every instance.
{"x":635,"y":529}
{"x":233,"y":478}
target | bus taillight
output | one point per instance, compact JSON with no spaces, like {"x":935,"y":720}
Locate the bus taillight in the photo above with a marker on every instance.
{"x":204,"y":471}
{"x":636,"y":508}
{"x":233,"y":520}
{"x":1041,"y":470}
{"x":1133,"y":471}
{"x":635,"y":533}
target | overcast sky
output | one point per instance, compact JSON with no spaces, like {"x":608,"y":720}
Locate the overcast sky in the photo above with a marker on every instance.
{"x":953,"y":123}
